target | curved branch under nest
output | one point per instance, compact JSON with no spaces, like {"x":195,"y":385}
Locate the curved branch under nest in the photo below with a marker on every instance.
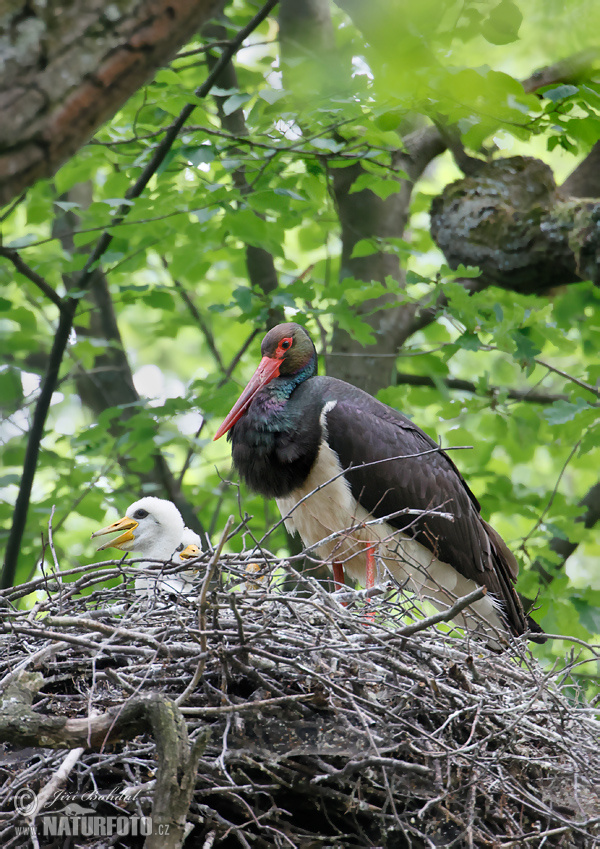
{"x":312,"y":725}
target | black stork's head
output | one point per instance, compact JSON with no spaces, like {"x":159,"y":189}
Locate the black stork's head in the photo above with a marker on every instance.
{"x":288,"y":353}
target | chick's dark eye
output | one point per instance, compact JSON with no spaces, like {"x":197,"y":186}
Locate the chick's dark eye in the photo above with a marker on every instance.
{"x":179,"y":547}
{"x":140,"y":514}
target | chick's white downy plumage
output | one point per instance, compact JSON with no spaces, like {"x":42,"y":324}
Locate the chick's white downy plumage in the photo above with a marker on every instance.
{"x":153,"y":527}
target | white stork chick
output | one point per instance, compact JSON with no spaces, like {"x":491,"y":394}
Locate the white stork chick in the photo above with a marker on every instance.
{"x":153,"y":527}
{"x":189,"y":549}
{"x":192,"y":549}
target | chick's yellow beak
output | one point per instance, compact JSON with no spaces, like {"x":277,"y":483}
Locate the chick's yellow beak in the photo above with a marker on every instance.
{"x":189,"y":552}
{"x":125,"y":524}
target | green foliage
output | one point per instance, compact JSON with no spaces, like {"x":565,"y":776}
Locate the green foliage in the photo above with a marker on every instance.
{"x":178,"y":281}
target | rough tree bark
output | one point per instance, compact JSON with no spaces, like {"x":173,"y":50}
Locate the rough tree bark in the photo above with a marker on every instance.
{"x":63,"y":75}
{"x":510,"y":219}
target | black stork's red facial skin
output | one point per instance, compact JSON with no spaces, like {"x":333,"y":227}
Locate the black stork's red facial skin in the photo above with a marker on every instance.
{"x":286,"y":351}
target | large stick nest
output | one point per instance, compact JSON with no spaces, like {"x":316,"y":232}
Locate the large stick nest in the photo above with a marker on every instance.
{"x":315,"y":725}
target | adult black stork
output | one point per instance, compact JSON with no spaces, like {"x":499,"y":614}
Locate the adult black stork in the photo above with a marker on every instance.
{"x":335,"y":458}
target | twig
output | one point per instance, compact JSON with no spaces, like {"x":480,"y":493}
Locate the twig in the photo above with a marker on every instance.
{"x":202,"y":615}
{"x":12,"y":256}
{"x":232,"y":365}
{"x":208,"y":335}
{"x":59,"y":778}
{"x":524,"y":395}
{"x":593,"y":389}
{"x":246,"y":706}
{"x":552,"y":496}
{"x":51,"y":541}
{"x":188,"y":457}
{"x":443,"y":615}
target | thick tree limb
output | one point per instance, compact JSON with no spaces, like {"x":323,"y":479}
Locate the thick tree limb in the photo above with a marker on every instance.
{"x":524,"y":233}
{"x":570,"y":70}
{"x":584,"y":181}
{"x":467,"y":386}
{"x":177,"y":760}
{"x":65,"y":74}
{"x":511,"y":222}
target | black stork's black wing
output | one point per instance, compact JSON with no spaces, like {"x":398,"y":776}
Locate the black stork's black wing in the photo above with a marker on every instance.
{"x":363,"y":431}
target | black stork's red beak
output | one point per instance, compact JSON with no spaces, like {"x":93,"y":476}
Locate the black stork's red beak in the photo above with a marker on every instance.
{"x":268,"y":368}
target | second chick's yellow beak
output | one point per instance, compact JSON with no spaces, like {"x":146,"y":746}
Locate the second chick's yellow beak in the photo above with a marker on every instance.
{"x":189,"y":552}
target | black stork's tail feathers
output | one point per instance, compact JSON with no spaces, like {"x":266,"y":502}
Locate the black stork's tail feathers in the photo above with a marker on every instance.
{"x":536,"y":632}
{"x":500,"y":581}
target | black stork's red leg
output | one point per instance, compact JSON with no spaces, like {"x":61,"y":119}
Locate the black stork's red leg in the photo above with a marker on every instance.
{"x":371,"y":567}
{"x":338,"y":577}
{"x":371,"y":574}
{"x":338,"y":574}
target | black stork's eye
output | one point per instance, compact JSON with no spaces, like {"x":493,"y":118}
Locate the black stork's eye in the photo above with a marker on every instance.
{"x":140,"y":514}
{"x":285,"y":344}
{"x":179,"y":547}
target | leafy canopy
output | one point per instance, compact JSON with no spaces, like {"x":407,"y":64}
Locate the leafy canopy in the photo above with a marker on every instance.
{"x":178,"y":279}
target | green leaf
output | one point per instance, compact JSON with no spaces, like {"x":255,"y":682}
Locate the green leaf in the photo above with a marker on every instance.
{"x":413,"y":277}
{"x":11,"y":389}
{"x":526,"y":349}
{"x":235,"y":102}
{"x":380,"y":186}
{"x":66,"y":205}
{"x":503,"y":23}
{"x":271,"y":95}
{"x":160,"y":300}
{"x":589,"y":614}
{"x":364,"y":247}
{"x":251,"y":229}
{"x":198,"y":154}
{"x":564,"y":411}
{"x":560,"y":92}
{"x":8,"y":480}
{"x":469,"y":341}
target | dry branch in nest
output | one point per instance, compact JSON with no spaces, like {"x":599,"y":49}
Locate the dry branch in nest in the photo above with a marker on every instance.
{"x":249,"y":715}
